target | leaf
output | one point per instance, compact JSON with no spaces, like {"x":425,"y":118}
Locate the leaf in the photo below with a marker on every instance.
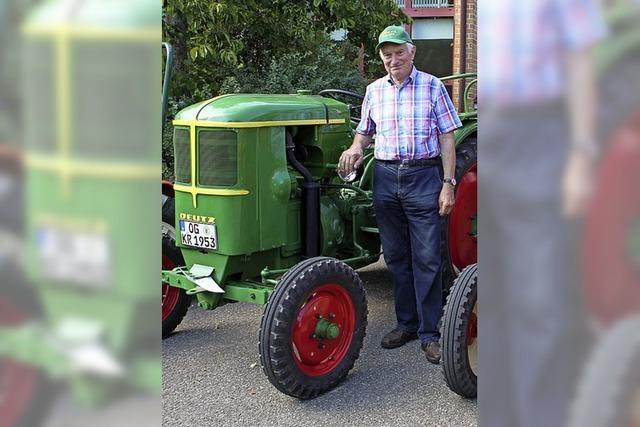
{"x":217,"y":39}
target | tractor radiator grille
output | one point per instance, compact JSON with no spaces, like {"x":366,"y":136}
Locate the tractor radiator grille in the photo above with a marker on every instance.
{"x":182,"y":155}
{"x":40,"y":95}
{"x":217,"y":157}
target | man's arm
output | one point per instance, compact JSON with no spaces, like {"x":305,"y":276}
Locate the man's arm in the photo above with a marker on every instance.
{"x":448,"y":153}
{"x":583,"y":147}
{"x":352,"y":157}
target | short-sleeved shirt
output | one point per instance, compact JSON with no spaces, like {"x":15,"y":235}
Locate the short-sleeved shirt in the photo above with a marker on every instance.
{"x":523,"y":47}
{"x":408,"y":118}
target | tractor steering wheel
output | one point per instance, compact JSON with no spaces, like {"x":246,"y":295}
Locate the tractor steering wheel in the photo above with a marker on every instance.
{"x":352,"y":99}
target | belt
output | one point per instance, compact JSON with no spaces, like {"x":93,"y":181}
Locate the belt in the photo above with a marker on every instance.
{"x":434,"y":161}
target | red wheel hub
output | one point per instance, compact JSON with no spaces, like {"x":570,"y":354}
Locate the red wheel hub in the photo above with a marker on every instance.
{"x":611,"y":271}
{"x":170,"y":295}
{"x":314,"y":354}
{"x":17,"y":381}
{"x":462,"y":234}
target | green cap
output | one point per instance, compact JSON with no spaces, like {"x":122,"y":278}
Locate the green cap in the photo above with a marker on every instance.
{"x":393,"y":34}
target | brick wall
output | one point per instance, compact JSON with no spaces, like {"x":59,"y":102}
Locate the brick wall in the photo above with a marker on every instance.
{"x":470,"y":62}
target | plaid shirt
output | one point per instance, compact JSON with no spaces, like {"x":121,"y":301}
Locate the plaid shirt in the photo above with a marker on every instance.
{"x":408,"y":118}
{"x":524,"y":44}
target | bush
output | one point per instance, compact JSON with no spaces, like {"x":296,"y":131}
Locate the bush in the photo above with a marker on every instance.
{"x":326,"y":67}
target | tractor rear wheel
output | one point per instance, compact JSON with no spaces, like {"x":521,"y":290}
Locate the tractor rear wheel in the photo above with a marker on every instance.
{"x":313,"y":327}
{"x":611,"y":252}
{"x":175,"y":301}
{"x":460,"y":237}
{"x":459,"y":332}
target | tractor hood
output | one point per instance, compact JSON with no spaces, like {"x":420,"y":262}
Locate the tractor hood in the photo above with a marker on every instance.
{"x":265,"y":108}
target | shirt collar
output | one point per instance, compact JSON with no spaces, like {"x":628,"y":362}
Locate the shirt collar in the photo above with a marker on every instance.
{"x":409,"y":80}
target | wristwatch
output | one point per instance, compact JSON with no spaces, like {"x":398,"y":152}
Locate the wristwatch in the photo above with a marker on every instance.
{"x":451,"y":181}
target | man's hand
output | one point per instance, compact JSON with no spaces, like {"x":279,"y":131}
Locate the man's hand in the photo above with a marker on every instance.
{"x":447,"y":199}
{"x":448,"y":153}
{"x":577,"y":184}
{"x":353,"y":157}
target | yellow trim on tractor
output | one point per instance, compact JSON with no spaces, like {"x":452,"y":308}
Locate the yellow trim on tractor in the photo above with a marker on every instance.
{"x":193,"y":189}
{"x":202,"y":123}
{"x":210,"y":191}
{"x":67,"y":168}
{"x":89,"y":32}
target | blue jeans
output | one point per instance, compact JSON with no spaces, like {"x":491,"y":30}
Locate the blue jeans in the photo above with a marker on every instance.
{"x":532,"y":325}
{"x":406,"y":204}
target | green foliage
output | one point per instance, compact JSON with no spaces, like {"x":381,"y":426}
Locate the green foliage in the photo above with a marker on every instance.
{"x":269,"y":46}
{"x":167,"y":152}
{"x":216,"y":39}
{"x":326,"y":67}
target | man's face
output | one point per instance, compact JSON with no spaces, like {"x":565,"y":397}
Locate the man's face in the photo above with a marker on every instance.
{"x":397,"y":60}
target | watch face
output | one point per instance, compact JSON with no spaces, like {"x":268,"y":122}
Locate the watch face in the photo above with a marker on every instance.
{"x":454,"y":182}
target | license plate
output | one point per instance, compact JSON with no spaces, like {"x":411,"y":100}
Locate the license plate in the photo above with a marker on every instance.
{"x":74,"y":256}
{"x":198,"y":234}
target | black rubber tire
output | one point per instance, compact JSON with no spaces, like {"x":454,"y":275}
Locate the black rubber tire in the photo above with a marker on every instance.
{"x":611,"y":380}
{"x":171,"y":251}
{"x":457,"y":370}
{"x":274,"y":345}
{"x":20,"y":297}
{"x":36,"y":402}
{"x":466,"y":157}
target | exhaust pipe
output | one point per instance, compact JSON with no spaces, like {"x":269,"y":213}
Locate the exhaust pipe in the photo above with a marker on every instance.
{"x":310,"y":204}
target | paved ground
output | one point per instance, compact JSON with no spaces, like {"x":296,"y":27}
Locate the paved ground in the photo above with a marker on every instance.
{"x":212,"y":376}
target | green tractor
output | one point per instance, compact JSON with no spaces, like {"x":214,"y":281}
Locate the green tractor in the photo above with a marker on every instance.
{"x":258,"y":214}
{"x":76,"y":302}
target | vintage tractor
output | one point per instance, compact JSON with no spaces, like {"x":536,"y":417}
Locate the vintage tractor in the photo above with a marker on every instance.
{"x":79,"y":311}
{"x":262,"y":217}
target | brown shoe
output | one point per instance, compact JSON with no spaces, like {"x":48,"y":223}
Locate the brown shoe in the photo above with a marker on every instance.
{"x":397,"y":338}
{"x":432,"y":351}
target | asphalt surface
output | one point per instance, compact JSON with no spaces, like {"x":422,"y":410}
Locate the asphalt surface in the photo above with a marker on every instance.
{"x":212,"y":375}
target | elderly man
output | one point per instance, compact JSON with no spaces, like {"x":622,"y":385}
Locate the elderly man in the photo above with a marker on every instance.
{"x":413,"y":119}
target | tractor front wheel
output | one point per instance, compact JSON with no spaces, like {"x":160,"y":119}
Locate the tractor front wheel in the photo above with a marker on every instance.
{"x":175,"y":301}
{"x":313,"y":327}
{"x":459,"y":334}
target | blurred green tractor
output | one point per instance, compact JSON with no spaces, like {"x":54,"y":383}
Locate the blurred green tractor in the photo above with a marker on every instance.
{"x":76,"y":302}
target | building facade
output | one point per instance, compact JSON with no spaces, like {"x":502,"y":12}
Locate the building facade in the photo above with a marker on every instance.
{"x":445,"y":33}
